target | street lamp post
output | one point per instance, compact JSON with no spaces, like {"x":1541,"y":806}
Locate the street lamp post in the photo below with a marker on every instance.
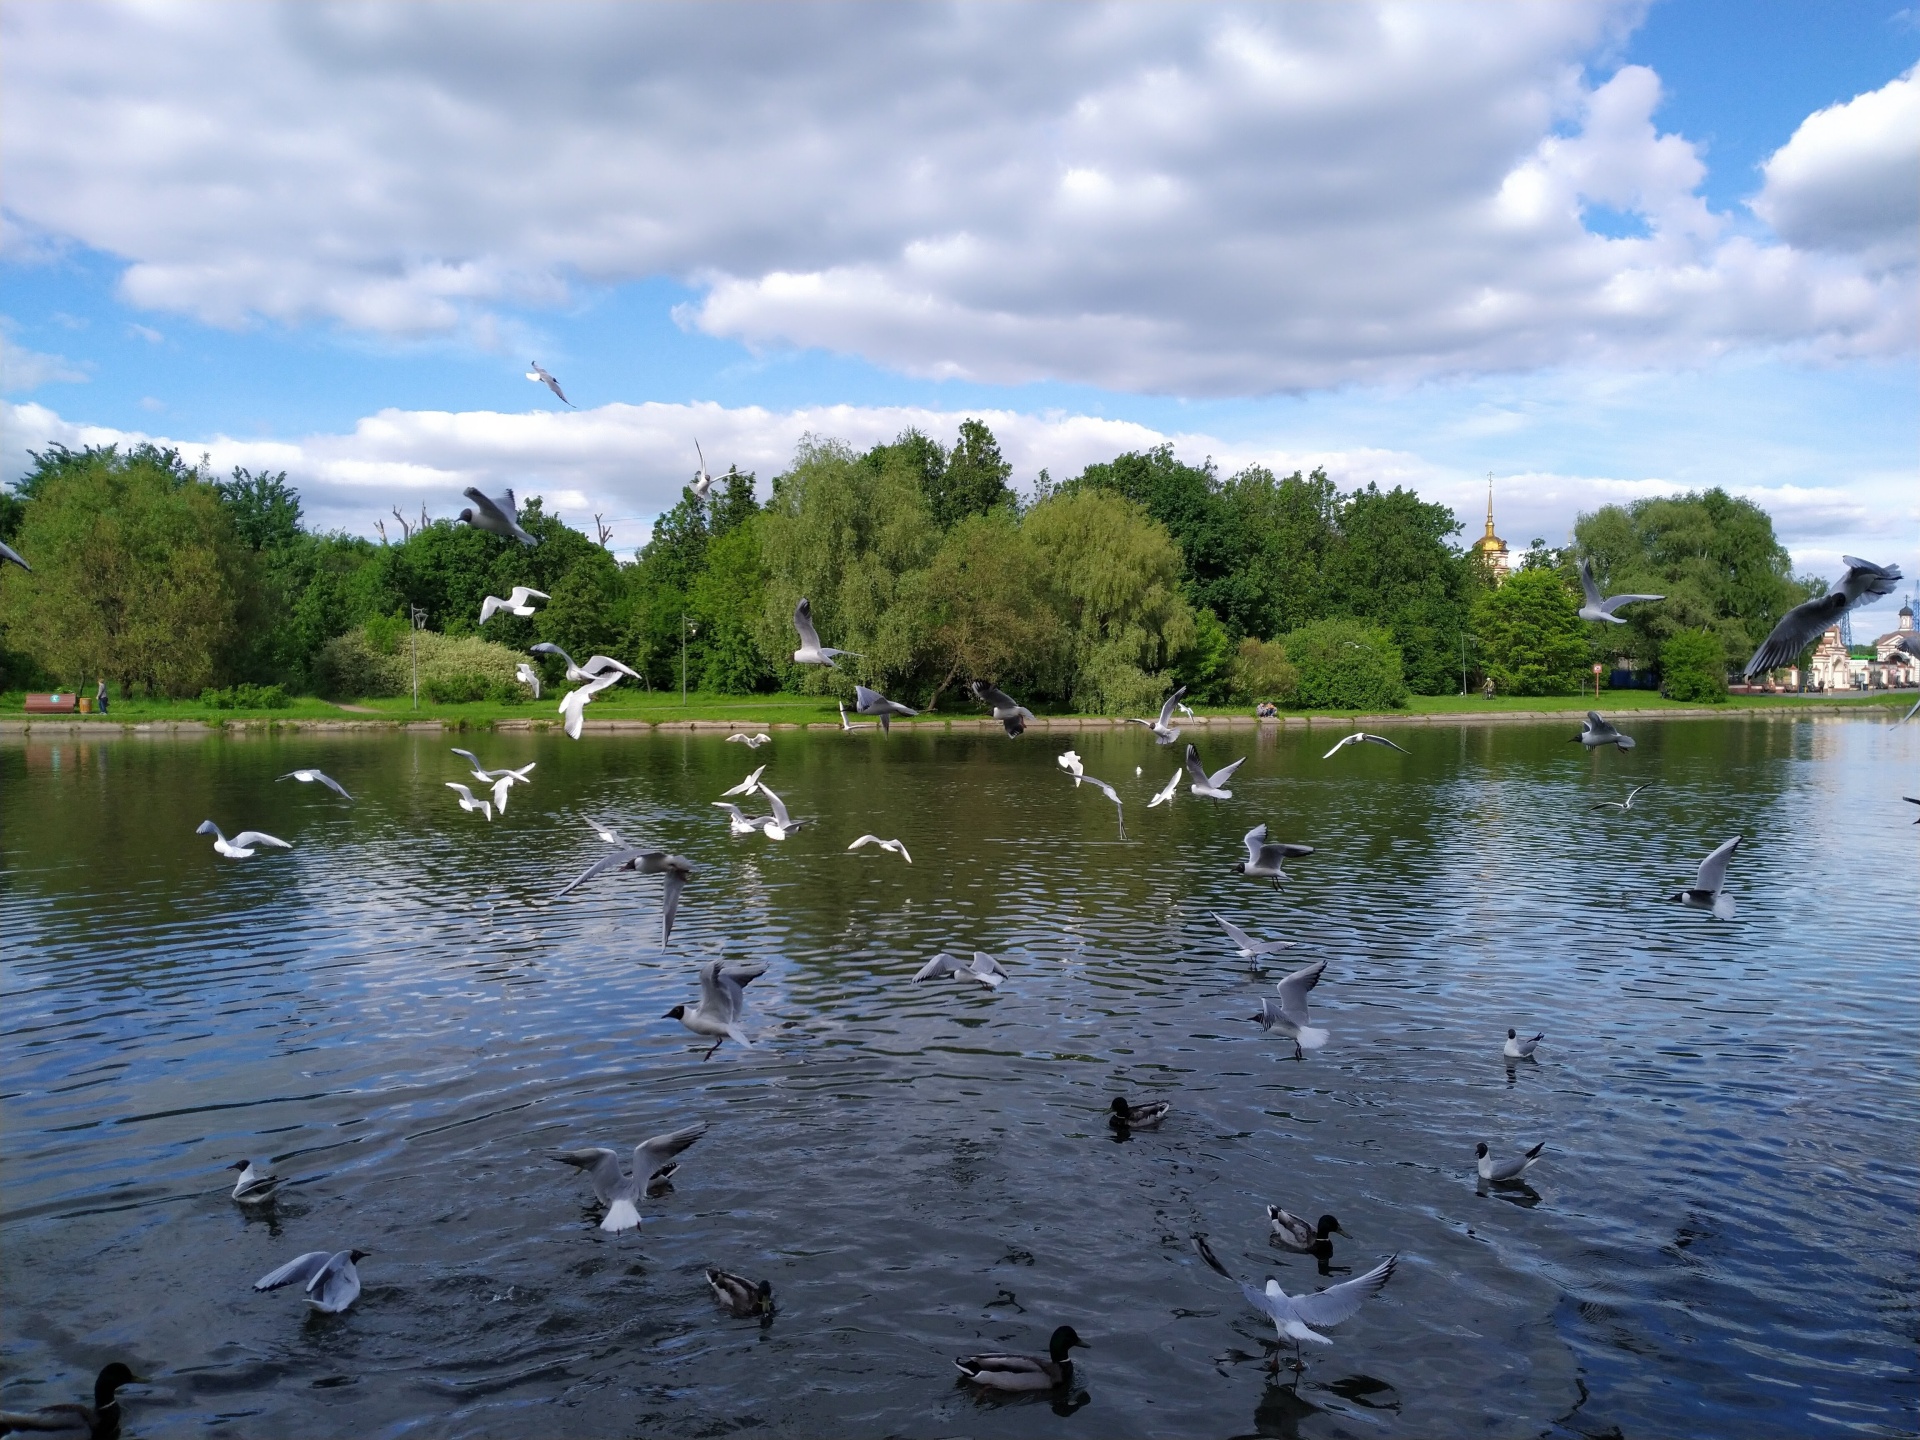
{"x":685,"y":630}
{"x":416,"y":621}
{"x":1596,"y":679}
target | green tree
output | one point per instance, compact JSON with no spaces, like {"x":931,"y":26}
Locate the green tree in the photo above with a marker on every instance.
{"x":725,"y":603}
{"x":988,"y":611}
{"x":1395,"y":568}
{"x":1694,"y":667}
{"x":1532,"y":640}
{"x":1291,"y":527}
{"x":1345,"y":664}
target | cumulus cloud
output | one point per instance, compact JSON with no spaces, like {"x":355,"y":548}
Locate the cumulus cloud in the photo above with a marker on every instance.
{"x":1846,"y":180}
{"x":22,"y":369}
{"x":1215,"y":199}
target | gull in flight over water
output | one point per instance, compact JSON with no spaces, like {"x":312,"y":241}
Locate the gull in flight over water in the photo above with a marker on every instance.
{"x":781,"y":824}
{"x":1068,"y":761}
{"x":1253,"y":949}
{"x":321,"y":777}
{"x":1361,"y":737}
{"x":1295,"y":1317}
{"x":748,"y":785}
{"x":893,"y":845}
{"x":541,"y":377}
{"x":603,"y":830}
{"x":1596,"y":731}
{"x":722,"y":1001}
{"x":573,"y":705}
{"x":330,"y":1281}
{"x":645,"y":862}
{"x":1504,"y":1172}
{"x":1597,"y":609}
{"x":1007,"y":710}
{"x":1264,"y":856}
{"x":1626,"y":804}
{"x":752,"y":742}
{"x":1518,"y":1049}
{"x":872,"y":702}
{"x":846,"y":724}
{"x":983,"y":967}
{"x":1212,"y":786}
{"x":468,"y":803}
{"x":739,"y":823}
{"x":1707,"y":892}
{"x":527,"y":675}
{"x":596,"y":666}
{"x":242,"y":845}
{"x":1165,"y":732}
{"x":1288,"y":1014}
{"x":653,"y":1165}
{"x":811,"y":651}
{"x":1165,"y":797}
{"x":1112,"y":794}
{"x":1805,"y":623}
{"x":514,"y":604}
{"x":499,"y":517}
{"x":254,"y":1187}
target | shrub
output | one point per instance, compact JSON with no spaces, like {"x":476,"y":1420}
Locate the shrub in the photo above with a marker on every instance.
{"x":1346,"y":665}
{"x":1261,"y":671}
{"x":465,"y":689}
{"x":246,"y":697}
{"x":1693,"y":666}
{"x":352,"y":665}
{"x":1110,"y":683}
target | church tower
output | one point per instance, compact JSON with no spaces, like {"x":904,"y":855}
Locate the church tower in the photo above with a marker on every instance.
{"x":1490,"y":547}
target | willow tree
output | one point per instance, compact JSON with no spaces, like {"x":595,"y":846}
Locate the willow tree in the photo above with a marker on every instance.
{"x":138,"y":574}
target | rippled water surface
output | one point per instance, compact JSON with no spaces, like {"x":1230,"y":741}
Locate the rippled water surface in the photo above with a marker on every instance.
{"x":1720,"y":1240}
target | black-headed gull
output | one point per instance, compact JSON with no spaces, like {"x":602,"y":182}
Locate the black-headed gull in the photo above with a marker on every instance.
{"x":1517,"y":1048}
{"x":872,"y":702}
{"x":539,"y":376}
{"x":1708,"y":889}
{"x":1288,"y":1014}
{"x":1211,"y":786}
{"x":1502,"y":1172}
{"x":255,"y":1185}
{"x":468,"y":803}
{"x":893,"y":845}
{"x":644,"y":862}
{"x":723,"y":1000}
{"x":811,"y":651}
{"x":1165,"y":732}
{"x":1596,"y":731}
{"x":1112,"y":794}
{"x":780,"y":824}
{"x":329,"y":1279}
{"x":982,"y":967}
{"x":1165,"y":796}
{"x":738,"y":821}
{"x":1361,"y":737}
{"x":702,"y":481}
{"x":752,"y":742}
{"x":573,"y":705}
{"x":242,"y":845}
{"x":748,"y":785}
{"x":1295,"y":1317}
{"x":1807,"y":622}
{"x":1626,"y":804}
{"x":1264,"y":856}
{"x":1596,"y":608}
{"x":1007,"y":710}
{"x":653,"y":1164}
{"x":499,"y":517}
{"x":528,"y":676}
{"x":514,"y":604}
{"x":1248,"y":946}
{"x":596,"y":666}
{"x":311,"y":777}
{"x":846,"y":724}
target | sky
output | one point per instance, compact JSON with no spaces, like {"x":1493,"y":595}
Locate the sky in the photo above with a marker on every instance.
{"x":1594,"y":250}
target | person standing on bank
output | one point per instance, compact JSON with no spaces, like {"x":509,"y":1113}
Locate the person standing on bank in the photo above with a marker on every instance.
{"x":100,"y":696}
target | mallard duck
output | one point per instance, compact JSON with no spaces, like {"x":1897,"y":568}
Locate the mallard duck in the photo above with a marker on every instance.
{"x":1138,"y":1117}
{"x":1294,"y":1233}
{"x":1025,"y":1372}
{"x":740,"y":1295}
{"x":99,"y":1421}
{"x":254,"y":1187}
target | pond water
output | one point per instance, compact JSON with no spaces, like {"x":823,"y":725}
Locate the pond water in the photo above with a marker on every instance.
{"x":1720,"y":1239}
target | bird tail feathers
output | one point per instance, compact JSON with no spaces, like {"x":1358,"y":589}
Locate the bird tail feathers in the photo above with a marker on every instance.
{"x":621,"y":1215}
{"x":1311,"y":1037}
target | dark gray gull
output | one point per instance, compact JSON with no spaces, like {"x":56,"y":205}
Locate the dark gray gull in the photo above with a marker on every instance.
{"x":1165,"y":732}
{"x":1707,"y":892}
{"x":653,"y":1165}
{"x":1596,"y":731}
{"x":499,"y":517}
{"x":723,"y":1000}
{"x":1264,"y":856}
{"x":811,"y":651}
{"x":1597,"y":609}
{"x":1211,"y":786}
{"x":1504,"y":1172}
{"x":645,"y":862}
{"x":329,"y":1279}
{"x":872,"y":702}
{"x":540,"y":376}
{"x":1806,"y":622}
{"x":321,"y":777}
{"x":1288,"y":1014}
{"x":1007,"y":710}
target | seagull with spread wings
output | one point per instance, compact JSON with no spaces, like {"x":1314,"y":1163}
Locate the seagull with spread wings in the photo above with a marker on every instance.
{"x":243,"y":845}
{"x":811,"y":651}
{"x":1212,"y":786}
{"x":499,"y":517}
{"x":1805,"y":623}
{"x":653,"y":1166}
{"x":1165,"y":732}
{"x":723,"y":999}
{"x":320,"y":777}
{"x":645,"y":862}
{"x":1360,"y":737}
{"x":540,"y":377}
{"x":1707,"y":891}
{"x":514,"y":604}
{"x":1596,"y":608}
{"x":1007,"y":710}
{"x":1295,"y":1317}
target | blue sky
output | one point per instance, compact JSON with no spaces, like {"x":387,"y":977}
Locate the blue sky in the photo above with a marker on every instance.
{"x":1098,"y":225}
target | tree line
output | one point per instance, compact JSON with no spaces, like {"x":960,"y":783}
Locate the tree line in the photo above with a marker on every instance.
{"x":1098,"y":593}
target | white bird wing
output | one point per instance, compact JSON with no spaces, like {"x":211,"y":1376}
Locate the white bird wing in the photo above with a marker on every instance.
{"x":500,"y":788}
{"x":337,"y":1285}
{"x":1340,"y":1302}
{"x":1614,"y":602}
{"x":1341,"y":744}
{"x":780,"y":816}
{"x":1591,"y":590}
{"x":1220,"y":777}
{"x":471,"y":759}
{"x":803,"y":622}
{"x":600,"y":828}
{"x":1165,"y":797}
{"x":650,"y":1157}
{"x":897,"y":846}
{"x":939,"y":965}
{"x":465,"y":793}
{"x":1166,"y":710}
{"x":619,"y":860}
{"x":489,"y":607}
{"x":300,"y":1270}
{"x":1293,"y":991}
{"x":723,"y":988}
{"x":603,"y":1171}
{"x":864,"y":840}
{"x":1105,"y":789}
{"x":1713,"y":869}
{"x":1253,"y":840}
{"x":598,"y":665}
{"x":258,"y":837}
{"x":1193,"y":766}
{"x":676,"y":881}
{"x":748,"y":785}
{"x":523,"y":593}
{"x":987,"y":968}
{"x":1381,"y":740}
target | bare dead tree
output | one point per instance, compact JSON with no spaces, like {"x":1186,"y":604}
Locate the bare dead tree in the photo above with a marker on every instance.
{"x":424,"y":520}
{"x":381,"y":526}
{"x":606,"y":531}
{"x":406,"y":525}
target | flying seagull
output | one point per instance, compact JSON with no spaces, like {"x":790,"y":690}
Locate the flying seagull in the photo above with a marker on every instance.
{"x":702,"y":481}
{"x":1069,"y":761}
{"x":1504,"y":1172}
{"x":1804,"y":624}
{"x":596,"y":666}
{"x":501,"y":517}
{"x":1007,"y":710}
{"x":653,"y":1164}
{"x":748,"y":785}
{"x":849,"y":725}
{"x":1626,"y":804}
{"x":1295,"y":1316}
{"x":242,"y":845}
{"x":603,"y":830}
{"x":488,"y":777}
{"x":983,"y":967}
{"x":527,"y":675}
{"x":1264,"y":856}
{"x":311,"y":777}
{"x":468,"y":803}
{"x":1248,"y":946}
{"x":7,"y":552}
{"x":1595,"y":731}
{"x":1112,"y":794}
{"x":1598,"y":609}
{"x":1164,"y":730}
{"x":893,"y":845}
{"x":646,"y":862}
{"x":540,"y":376}
{"x":872,"y":702}
{"x":811,"y":651}
{"x":740,"y":823}
{"x":1212,"y":786}
{"x":254,"y":1187}
{"x":1359,"y":737}
{"x":573,"y":705}
{"x":1165,"y":796}
{"x":1288,"y":1014}
{"x":1518,"y":1049}
{"x":514,"y":604}
{"x":752,"y":742}
{"x":780,"y":825}
{"x":1706,"y":893}
{"x":330,"y":1281}
{"x":722,"y":1000}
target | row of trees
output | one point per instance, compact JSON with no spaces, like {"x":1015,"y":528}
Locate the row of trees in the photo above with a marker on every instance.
{"x":1099,"y":592}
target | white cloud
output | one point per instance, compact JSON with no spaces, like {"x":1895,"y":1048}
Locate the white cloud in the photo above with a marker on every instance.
{"x":22,"y":369}
{"x":1210,"y":199}
{"x":1846,"y":180}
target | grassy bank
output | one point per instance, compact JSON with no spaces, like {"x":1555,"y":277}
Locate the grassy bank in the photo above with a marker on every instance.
{"x":639,"y":706}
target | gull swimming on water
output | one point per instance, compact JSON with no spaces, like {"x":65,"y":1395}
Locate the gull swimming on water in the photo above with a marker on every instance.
{"x":872,"y":702}
{"x":499,"y":517}
{"x":983,"y":967}
{"x":1264,"y":856}
{"x":644,"y":862}
{"x":242,"y":845}
{"x":1288,"y":1014}
{"x":1503,"y":1172}
{"x":1597,"y":609}
{"x":330,"y":1281}
{"x":1805,"y":623}
{"x":514,"y":604}
{"x":811,"y":651}
{"x":1706,"y":892}
{"x":1360,"y":737}
{"x":722,"y":1001}
{"x":1253,"y":949}
{"x":573,"y":705}
{"x":739,"y":823}
{"x":780,"y":825}
{"x":311,"y":776}
{"x":468,"y":803}
{"x":752,"y":742}
{"x":1595,"y":731}
{"x":596,"y":666}
{"x":1295,"y":1316}
{"x":1165,"y":797}
{"x":527,"y":675}
{"x":1211,"y":786}
{"x":1518,"y":1049}
{"x":540,"y":376}
{"x":893,"y":845}
{"x":653,"y":1164}
{"x":254,"y":1187}
{"x":1626,"y":804}
{"x":748,"y":785}
{"x":1164,"y":730}
{"x":1007,"y":710}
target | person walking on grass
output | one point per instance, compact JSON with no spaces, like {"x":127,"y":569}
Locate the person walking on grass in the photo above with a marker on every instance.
{"x":100,"y":696}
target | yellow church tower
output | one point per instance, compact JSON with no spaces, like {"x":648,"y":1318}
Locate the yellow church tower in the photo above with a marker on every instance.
{"x":1490,"y":547}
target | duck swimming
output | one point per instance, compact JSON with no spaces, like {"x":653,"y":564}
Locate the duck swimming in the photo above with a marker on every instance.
{"x":98,"y":1421}
{"x":1291,"y":1232}
{"x":1025,"y":1372}
{"x":743,"y":1297}
{"x":1138,"y":1117}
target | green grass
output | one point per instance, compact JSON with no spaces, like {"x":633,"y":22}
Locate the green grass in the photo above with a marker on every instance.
{"x":660,"y":707}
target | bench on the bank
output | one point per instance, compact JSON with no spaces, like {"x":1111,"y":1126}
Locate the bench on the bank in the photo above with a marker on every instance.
{"x":59,"y":703}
